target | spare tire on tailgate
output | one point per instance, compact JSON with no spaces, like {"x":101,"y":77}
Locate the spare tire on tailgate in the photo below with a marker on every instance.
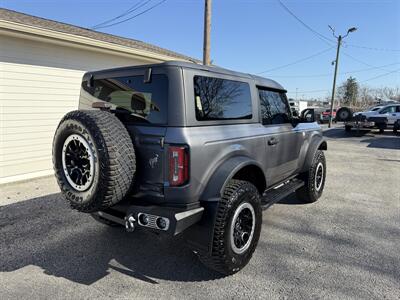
{"x":344,"y":114}
{"x":94,"y":159}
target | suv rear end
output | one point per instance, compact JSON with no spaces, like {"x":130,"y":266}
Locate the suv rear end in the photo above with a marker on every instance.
{"x":148,"y":100}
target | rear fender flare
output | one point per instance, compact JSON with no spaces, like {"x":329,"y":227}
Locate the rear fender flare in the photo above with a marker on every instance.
{"x":200,"y":235}
{"x":221,"y":176}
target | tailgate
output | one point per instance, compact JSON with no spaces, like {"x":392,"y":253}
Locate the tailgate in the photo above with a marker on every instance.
{"x":150,"y":157}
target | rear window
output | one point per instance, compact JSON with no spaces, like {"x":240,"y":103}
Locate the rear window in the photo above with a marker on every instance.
{"x":146,"y":102}
{"x":221,"y":99}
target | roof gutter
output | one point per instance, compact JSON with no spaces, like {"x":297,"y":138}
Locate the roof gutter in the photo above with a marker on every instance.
{"x":43,"y":34}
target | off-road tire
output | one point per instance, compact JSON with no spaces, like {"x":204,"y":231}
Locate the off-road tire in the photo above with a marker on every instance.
{"x":396,"y":126}
{"x":309,"y":192}
{"x":222,"y":257}
{"x":114,"y":159}
{"x":381,"y":127}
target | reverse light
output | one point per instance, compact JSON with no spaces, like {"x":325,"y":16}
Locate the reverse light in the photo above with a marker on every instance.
{"x":178,"y":165}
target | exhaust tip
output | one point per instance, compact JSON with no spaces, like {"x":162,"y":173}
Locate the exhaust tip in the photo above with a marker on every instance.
{"x":152,"y":221}
{"x":162,"y":223}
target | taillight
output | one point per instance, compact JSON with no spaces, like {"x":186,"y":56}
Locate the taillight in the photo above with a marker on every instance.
{"x":178,"y":165}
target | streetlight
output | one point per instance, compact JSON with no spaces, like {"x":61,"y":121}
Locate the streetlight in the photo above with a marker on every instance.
{"x":339,"y":39}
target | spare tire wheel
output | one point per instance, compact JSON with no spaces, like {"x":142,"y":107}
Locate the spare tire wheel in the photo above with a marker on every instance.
{"x":94,"y":159}
{"x":344,"y":114}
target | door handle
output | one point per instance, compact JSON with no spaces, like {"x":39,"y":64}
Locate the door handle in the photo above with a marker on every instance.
{"x":273,"y":141}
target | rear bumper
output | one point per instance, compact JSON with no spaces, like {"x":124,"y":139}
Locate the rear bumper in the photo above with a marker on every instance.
{"x":175,"y":220}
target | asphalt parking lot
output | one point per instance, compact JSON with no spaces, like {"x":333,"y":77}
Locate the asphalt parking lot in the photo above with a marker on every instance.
{"x":344,"y":246}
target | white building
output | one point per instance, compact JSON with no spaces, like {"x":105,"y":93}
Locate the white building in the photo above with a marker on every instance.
{"x":298,"y":105}
{"x":41,"y":66}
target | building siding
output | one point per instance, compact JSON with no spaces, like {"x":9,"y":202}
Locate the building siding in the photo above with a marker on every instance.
{"x":39,"y":84}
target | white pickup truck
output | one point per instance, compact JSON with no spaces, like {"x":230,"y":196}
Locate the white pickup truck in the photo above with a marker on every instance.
{"x":390,"y":113}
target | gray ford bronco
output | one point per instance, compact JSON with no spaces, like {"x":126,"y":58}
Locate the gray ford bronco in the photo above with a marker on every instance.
{"x":181,"y":148}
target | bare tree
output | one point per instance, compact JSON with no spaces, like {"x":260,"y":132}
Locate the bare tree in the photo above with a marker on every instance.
{"x":215,"y":93}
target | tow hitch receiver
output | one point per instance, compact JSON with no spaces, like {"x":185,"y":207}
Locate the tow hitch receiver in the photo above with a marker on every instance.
{"x":130,"y":223}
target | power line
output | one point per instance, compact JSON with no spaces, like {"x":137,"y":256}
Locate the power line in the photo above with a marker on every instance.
{"x":316,"y":33}
{"x":379,"y":76}
{"x":363,"y":62}
{"x":373,"y":48}
{"x":127,"y":12}
{"x":134,"y":16}
{"x":297,"y":61}
{"x":369,"y":79}
{"x":309,"y":92}
{"x":330,"y":74}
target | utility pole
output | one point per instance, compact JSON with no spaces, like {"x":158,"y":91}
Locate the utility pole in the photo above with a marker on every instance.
{"x":339,"y":43}
{"x":207,"y":30}
{"x":334,"y":79}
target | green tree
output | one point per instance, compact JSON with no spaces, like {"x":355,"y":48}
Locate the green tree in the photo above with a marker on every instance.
{"x":348,"y":92}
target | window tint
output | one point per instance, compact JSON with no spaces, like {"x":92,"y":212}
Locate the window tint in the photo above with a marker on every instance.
{"x":274,"y":107}
{"x":143,"y":102}
{"x":221,"y":99}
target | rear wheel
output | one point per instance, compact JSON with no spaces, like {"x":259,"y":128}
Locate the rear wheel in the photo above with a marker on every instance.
{"x":237,"y":228}
{"x":314,"y":179}
{"x":94,"y":159}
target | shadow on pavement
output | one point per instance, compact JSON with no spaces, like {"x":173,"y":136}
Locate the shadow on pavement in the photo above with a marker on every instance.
{"x":340,"y":133}
{"x":383,"y":142}
{"x":45,"y":232}
{"x":386,"y":140}
{"x":292,"y":200}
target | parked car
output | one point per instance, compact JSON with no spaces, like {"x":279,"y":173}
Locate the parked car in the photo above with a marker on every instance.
{"x":181,"y":148}
{"x":325,"y":115}
{"x":369,"y":112}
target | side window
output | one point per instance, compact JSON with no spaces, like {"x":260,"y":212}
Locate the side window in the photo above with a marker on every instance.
{"x":390,"y":109}
{"x":221,"y":99}
{"x":398,"y":108}
{"x":274,"y":107}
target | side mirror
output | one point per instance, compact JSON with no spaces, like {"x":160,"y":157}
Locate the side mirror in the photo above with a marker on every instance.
{"x":308,"y":115}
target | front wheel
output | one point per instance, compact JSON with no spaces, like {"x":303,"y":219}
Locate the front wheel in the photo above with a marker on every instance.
{"x":396,"y":127}
{"x":237,"y":228}
{"x":314,"y":179}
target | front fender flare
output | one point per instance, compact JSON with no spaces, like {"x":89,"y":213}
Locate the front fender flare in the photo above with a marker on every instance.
{"x":317,"y":142}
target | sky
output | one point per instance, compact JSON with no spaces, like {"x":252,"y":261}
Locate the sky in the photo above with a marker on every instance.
{"x":255,"y":36}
